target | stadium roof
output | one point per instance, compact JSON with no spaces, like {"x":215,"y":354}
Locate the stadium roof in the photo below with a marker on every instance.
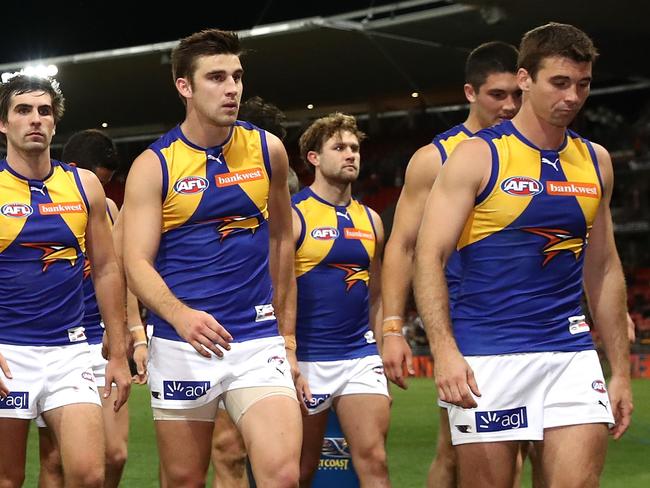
{"x":369,"y":60}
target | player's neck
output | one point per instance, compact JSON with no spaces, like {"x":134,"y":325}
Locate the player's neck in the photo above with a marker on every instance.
{"x":333,"y":193}
{"x":472,"y":123}
{"x":35,"y":166}
{"x":202,"y":134}
{"x":537,"y":130}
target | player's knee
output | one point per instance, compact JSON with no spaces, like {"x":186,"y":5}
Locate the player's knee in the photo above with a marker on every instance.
{"x":228,"y":449}
{"x":184,"y":477}
{"x":86,"y":476}
{"x":12,"y":478}
{"x":287,"y":475}
{"x":116,"y":456}
{"x":51,"y":462}
{"x":370,"y":460}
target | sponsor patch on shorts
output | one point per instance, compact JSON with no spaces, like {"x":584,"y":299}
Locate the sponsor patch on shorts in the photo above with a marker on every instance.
{"x":316,"y":400}
{"x":184,"y":390}
{"x":15,"y":400}
{"x":499,"y":420}
{"x":599,"y":386}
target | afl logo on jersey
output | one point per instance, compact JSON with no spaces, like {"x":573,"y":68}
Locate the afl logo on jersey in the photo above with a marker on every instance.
{"x":521,"y":186}
{"x":17,"y":210}
{"x":191,"y":185}
{"x":325,"y":233}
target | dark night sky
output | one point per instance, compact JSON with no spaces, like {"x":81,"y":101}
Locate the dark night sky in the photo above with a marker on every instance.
{"x":38,"y":30}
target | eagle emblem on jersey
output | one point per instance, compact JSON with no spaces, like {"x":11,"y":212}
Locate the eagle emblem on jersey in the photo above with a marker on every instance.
{"x":229,"y":225}
{"x":353,"y":274}
{"x":54,"y":251}
{"x":558,"y":240}
{"x":86,"y":268}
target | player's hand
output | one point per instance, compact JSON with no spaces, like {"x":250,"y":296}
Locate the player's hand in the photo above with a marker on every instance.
{"x":140,"y":358}
{"x":303,"y":393}
{"x":4,"y":390}
{"x":117,"y":371}
{"x":620,"y":400}
{"x":202,"y":332}
{"x":395,"y":353}
{"x":455,"y":379}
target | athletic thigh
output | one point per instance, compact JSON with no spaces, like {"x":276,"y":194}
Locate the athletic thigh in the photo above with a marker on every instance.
{"x":573,"y":455}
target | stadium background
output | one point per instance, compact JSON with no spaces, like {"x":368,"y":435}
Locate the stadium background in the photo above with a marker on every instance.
{"x":368,"y":58}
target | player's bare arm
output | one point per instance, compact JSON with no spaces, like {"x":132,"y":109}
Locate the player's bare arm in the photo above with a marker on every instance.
{"x":448,"y":206}
{"x":605,"y":287}
{"x":136,"y":330}
{"x":421,"y":172}
{"x":109,"y":287}
{"x":374,"y":284}
{"x":281,"y":257}
{"x":142,"y":228}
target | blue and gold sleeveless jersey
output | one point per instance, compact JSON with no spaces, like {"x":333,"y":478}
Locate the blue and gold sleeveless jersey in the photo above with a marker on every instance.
{"x":42,"y":244}
{"x":446,"y":142}
{"x":333,"y":256}
{"x":92,"y":321}
{"x":522,"y":248}
{"x":214,"y":248}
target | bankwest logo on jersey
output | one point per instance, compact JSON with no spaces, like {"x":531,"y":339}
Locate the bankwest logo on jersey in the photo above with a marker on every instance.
{"x":191,"y":185}
{"x":16,"y":210}
{"x":238,"y":177}
{"x":352,"y":233}
{"x":325,"y":233}
{"x":569,"y":189}
{"x":498,"y":420}
{"x":60,"y":208}
{"x":521,"y":186}
{"x":185,"y":390}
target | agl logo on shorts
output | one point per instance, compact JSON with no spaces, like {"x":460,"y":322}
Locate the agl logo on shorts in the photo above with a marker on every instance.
{"x":185,"y":390}
{"x":521,"y":186}
{"x":16,"y":210}
{"x":15,"y":400}
{"x":498,"y":420}
{"x":191,"y":185}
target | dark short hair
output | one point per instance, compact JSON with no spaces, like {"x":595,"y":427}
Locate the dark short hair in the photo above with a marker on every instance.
{"x":21,"y":83}
{"x":322,"y":129}
{"x":204,"y":43}
{"x":488,"y":58}
{"x":264,"y":115}
{"x":551,"y":40}
{"x":89,"y":149}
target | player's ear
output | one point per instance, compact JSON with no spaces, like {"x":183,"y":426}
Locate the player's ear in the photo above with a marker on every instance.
{"x":314,"y":158}
{"x":524,"y":79}
{"x":470,"y":94}
{"x":184,"y":87}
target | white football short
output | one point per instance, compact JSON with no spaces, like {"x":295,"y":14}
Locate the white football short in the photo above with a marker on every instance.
{"x":523,"y":394}
{"x":330,"y":379}
{"x":180,"y":378}
{"x":47,"y":377}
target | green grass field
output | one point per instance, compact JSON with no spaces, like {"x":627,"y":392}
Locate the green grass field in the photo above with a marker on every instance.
{"x":410,"y":445}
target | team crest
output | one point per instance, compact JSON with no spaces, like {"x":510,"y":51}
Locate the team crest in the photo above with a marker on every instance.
{"x":558,"y":240}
